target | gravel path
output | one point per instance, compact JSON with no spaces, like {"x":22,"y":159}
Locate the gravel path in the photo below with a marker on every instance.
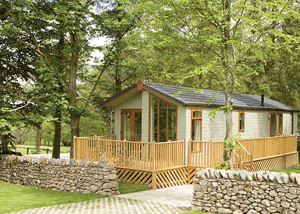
{"x":108,"y":206}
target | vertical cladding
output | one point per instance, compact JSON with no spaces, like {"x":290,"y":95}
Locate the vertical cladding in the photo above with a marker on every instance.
{"x":182,"y":121}
{"x":117,"y":122}
{"x":145,"y":116}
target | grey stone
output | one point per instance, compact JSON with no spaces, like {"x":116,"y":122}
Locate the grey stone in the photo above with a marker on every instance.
{"x":285,"y":178}
{"x":266,"y":202}
{"x":285,"y":204}
{"x":293,"y":190}
{"x":252,"y":212}
{"x":250,"y":176}
{"x":298,"y":179}
{"x":238,"y":212}
{"x":272,"y":209}
{"x":223,"y":173}
{"x":293,"y":177}
{"x":273,"y":193}
{"x":224,"y":211}
{"x":291,"y":196}
{"x":264,"y":186}
{"x":272,"y":176}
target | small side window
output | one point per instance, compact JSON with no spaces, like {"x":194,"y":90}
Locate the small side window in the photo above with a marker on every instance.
{"x":280,"y":128}
{"x":241,"y":121}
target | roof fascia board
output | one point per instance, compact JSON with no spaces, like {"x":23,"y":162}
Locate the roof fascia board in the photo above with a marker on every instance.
{"x":104,"y":104}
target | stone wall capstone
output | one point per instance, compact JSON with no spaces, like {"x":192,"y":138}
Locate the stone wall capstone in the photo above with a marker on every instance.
{"x":62,"y":175}
{"x":221,"y":191}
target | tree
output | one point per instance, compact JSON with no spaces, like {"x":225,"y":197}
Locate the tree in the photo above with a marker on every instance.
{"x":216,"y":37}
{"x":58,"y":33}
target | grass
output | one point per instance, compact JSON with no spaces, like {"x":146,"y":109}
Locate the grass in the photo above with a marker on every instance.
{"x":16,"y":197}
{"x":23,"y":150}
{"x":295,"y":169}
{"x":125,"y":187}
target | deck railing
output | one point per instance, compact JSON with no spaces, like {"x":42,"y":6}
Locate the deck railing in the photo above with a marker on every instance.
{"x":205,"y":154}
{"x":171,"y":154}
{"x":131,"y":154}
{"x":270,"y":146}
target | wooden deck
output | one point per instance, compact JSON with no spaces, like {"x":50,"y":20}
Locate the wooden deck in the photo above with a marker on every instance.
{"x":164,"y":164}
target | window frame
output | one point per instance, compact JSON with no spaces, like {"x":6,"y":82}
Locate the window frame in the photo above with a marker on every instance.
{"x":158,"y":112}
{"x":280,"y":115}
{"x":196,"y":118}
{"x":273,"y":134}
{"x":239,"y":121}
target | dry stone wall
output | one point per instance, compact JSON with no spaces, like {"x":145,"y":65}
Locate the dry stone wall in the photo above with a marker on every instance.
{"x":63,"y":175}
{"x":221,"y":191}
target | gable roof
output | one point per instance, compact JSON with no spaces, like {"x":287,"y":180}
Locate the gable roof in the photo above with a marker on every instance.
{"x":188,"y":96}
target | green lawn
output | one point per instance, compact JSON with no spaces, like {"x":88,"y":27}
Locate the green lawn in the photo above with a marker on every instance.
{"x":23,"y":150}
{"x":125,"y":187}
{"x":17,"y":197}
{"x":295,"y":169}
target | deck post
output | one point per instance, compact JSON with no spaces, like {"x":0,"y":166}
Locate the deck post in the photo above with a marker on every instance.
{"x":154,"y":175}
{"x":124,"y":152}
{"x":154,"y":182}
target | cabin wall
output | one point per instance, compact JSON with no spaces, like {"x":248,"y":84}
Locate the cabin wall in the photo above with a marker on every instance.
{"x":182,"y":123}
{"x":295,"y":122}
{"x":145,"y":116}
{"x":133,"y":103}
{"x":257,"y":124}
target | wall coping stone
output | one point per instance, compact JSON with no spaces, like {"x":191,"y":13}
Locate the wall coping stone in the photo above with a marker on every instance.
{"x":243,"y":175}
{"x":57,"y":162}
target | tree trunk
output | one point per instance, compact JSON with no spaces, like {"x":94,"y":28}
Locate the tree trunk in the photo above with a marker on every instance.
{"x":118,"y":82}
{"x":38,"y":138}
{"x":228,"y":136}
{"x":228,"y":58}
{"x":5,"y":140}
{"x":57,"y":134}
{"x":74,"y":111}
{"x":74,"y":132}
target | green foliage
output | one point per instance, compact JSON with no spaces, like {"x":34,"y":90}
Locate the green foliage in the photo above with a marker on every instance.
{"x":230,"y":143}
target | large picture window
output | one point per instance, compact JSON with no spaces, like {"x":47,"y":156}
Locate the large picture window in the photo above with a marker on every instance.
{"x":196,"y":131}
{"x":241,"y":121}
{"x":163,"y":120}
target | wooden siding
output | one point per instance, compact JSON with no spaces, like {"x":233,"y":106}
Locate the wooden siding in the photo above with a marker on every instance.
{"x":134,"y":103}
{"x":145,"y":116}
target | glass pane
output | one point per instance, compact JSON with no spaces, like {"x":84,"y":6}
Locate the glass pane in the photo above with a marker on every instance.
{"x":197,"y":114}
{"x":242,"y":121}
{"x":162,"y":121}
{"x":138,"y":126}
{"x":154,"y":102}
{"x":196,"y":129}
{"x":172,"y":122}
{"x":127,"y":125}
{"x":280,"y":123}
{"x":273,"y":124}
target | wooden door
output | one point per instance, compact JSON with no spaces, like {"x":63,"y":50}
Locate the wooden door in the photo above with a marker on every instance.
{"x":131,"y":124}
